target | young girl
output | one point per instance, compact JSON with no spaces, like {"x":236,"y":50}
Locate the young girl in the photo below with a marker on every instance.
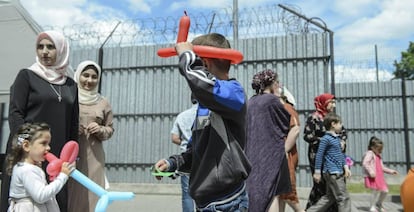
{"x":374,"y":174}
{"x":29,"y":190}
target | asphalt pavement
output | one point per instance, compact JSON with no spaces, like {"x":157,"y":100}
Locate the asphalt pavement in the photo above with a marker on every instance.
{"x":163,"y":198}
{"x":167,"y":198}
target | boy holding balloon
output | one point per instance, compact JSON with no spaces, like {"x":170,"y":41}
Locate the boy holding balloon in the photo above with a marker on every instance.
{"x":215,"y":158}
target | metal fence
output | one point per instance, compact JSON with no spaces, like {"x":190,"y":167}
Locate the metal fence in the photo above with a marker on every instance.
{"x":146,"y":92}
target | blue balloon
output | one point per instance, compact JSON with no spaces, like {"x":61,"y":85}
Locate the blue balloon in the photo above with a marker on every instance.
{"x":105,"y":197}
{"x":102,"y":204}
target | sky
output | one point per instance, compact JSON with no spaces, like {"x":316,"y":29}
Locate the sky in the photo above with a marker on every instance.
{"x":358,"y":25}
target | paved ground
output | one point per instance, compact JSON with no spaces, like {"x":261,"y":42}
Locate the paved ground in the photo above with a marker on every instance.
{"x":162,"y":198}
{"x":172,"y":203}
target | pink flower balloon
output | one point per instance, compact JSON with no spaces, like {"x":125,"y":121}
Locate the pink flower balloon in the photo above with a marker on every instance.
{"x":68,"y":154}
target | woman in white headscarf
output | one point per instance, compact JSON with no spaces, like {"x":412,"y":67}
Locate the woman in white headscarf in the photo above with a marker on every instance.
{"x":95,"y":126}
{"x":291,"y":198}
{"x":43,"y":92}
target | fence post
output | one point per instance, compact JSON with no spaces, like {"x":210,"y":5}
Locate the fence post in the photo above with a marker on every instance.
{"x":100,"y":55}
{"x":331,"y":42}
{"x":235,"y":23}
{"x":405,"y":122}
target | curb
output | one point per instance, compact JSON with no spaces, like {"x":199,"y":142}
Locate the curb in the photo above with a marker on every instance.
{"x":175,"y":189}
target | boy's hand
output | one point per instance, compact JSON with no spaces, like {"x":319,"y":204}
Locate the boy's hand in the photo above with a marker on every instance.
{"x":161,"y":165}
{"x":317,"y":177}
{"x":394,"y":172}
{"x":182,"y":47}
{"x":347,"y":172}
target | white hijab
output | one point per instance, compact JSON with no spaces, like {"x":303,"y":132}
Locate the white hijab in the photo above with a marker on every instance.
{"x":289,"y":97}
{"x":87,"y":97}
{"x":57,"y":73}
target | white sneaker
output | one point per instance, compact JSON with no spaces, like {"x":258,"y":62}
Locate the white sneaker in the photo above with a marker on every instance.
{"x":373,"y":209}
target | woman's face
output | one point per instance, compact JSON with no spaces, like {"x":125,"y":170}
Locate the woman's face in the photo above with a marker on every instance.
{"x":88,"y":79}
{"x":46,"y":52}
{"x":331,"y":105}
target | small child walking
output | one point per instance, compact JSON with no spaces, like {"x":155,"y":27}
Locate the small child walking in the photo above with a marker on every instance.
{"x":374,"y":174}
{"x":29,"y":190}
{"x":334,"y":170}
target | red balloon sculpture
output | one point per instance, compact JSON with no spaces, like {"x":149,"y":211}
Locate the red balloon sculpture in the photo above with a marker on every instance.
{"x":183,"y":28}
{"x":68,"y":154}
{"x":203,"y":51}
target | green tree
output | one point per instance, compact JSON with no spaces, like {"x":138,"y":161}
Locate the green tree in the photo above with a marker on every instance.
{"x":406,"y":66}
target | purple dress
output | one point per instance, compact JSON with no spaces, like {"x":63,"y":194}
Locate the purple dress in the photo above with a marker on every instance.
{"x":267,"y":128}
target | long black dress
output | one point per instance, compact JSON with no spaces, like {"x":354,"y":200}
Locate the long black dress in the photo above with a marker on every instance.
{"x":32,"y":99}
{"x":267,"y":127}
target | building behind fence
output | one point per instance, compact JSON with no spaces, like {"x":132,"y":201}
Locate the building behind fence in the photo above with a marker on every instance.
{"x":147,"y":92}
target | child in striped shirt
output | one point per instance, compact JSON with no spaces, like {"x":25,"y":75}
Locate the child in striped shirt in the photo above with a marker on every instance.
{"x":330,"y":162}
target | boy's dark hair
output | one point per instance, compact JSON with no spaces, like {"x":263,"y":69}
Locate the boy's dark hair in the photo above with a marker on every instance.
{"x":329,"y":119}
{"x":212,"y":39}
{"x":215,"y":40}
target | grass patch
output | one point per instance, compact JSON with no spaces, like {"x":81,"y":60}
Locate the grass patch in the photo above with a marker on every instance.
{"x":360,"y":188}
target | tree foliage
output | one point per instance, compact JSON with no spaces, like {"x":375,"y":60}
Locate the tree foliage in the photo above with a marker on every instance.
{"x":406,"y":66}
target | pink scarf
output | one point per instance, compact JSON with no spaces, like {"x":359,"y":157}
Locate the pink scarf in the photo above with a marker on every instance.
{"x":57,"y":73}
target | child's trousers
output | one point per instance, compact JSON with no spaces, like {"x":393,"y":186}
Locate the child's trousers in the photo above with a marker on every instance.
{"x":336,"y":192}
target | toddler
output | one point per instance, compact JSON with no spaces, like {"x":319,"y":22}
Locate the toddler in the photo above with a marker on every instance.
{"x":374,"y":174}
{"x":29,"y":190}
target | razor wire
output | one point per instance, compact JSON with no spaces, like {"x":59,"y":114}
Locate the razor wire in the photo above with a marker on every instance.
{"x":261,"y":21}
{"x":257,"y":22}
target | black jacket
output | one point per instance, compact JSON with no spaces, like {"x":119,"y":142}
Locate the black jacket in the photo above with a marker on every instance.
{"x":215,"y":155}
